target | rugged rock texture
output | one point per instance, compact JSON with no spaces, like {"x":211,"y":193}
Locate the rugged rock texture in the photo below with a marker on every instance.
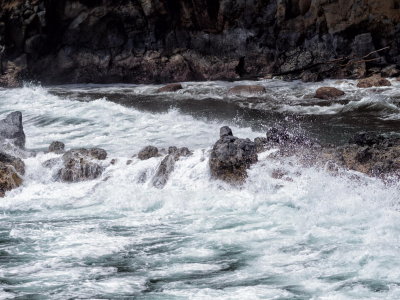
{"x":167,"y":165}
{"x":81,"y":164}
{"x":60,"y":41}
{"x":57,"y":147}
{"x":12,"y":131}
{"x":372,"y":154}
{"x":11,"y":169}
{"x":231,"y":157}
{"x":148,"y":152}
{"x":375,"y":80}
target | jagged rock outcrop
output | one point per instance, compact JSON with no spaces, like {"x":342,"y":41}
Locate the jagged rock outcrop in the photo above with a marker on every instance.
{"x":12,"y":131}
{"x":167,"y":165}
{"x":231,"y":157}
{"x":81,"y":164}
{"x":67,"y":41}
{"x":369,"y":153}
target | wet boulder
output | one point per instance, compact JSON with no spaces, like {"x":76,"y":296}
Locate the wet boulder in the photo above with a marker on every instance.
{"x":167,"y":165}
{"x":373,"y":81}
{"x":231,"y":157}
{"x":11,"y":169}
{"x":169,"y":88}
{"x":81,"y":165}
{"x":9,"y":179}
{"x":57,"y":147}
{"x":327,"y":93}
{"x":13,"y":161}
{"x":11,"y":130}
{"x":247,"y":90}
{"x":148,"y":152}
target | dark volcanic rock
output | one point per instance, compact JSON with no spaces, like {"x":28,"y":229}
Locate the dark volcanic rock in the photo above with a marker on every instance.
{"x":375,"y":80}
{"x":148,"y":152}
{"x":173,"y":87}
{"x":172,"y":41}
{"x":81,"y":164}
{"x":328,"y":93}
{"x":231,"y":157}
{"x":167,"y":165}
{"x":245,"y":90}
{"x":57,"y":147}
{"x":11,"y":129}
{"x":368,"y":153}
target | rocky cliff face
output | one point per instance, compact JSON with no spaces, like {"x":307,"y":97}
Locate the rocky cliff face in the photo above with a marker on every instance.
{"x":63,"y":41}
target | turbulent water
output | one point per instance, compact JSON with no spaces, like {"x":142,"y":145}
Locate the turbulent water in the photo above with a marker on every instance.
{"x":309,"y":235}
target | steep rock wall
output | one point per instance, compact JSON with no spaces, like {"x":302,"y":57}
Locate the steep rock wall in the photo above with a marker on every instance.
{"x":63,"y":41}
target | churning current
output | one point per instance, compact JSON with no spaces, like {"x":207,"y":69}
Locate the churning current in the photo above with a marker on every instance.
{"x":312,"y":235}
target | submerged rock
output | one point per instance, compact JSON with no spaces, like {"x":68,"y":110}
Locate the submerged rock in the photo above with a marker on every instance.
{"x":167,"y":165}
{"x":81,"y":165}
{"x":11,"y":130}
{"x":57,"y":147}
{"x":374,"y":80}
{"x":245,"y":90}
{"x":231,"y":157}
{"x":173,"y":87}
{"x":148,"y":152}
{"x":327,"y":93}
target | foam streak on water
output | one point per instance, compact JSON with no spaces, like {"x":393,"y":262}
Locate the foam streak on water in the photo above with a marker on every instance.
{"x":310,"y":235}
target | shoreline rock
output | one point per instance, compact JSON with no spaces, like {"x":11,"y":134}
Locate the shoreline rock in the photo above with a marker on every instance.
{"x":373,"y":81}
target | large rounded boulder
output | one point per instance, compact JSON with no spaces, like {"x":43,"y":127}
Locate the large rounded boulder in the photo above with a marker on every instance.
{"x":231,"y":157}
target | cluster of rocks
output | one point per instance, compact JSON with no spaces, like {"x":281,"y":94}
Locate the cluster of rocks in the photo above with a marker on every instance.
{"x":73,"y":165}
{"x":369,"y":153}
{"x":326,"y":93}
{"x":230,"y":158}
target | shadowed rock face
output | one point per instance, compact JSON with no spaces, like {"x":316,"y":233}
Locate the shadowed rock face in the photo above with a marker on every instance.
{"x":168,"y":40}
{"x":231,"y":157}
{"x":81,"y":164}
{"x":11,"y":129}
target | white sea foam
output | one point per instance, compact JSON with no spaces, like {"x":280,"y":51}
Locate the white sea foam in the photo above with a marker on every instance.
{"x":309,"y":235}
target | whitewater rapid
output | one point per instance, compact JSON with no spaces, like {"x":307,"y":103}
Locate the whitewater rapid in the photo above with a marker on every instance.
{"x":308,"y":235}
